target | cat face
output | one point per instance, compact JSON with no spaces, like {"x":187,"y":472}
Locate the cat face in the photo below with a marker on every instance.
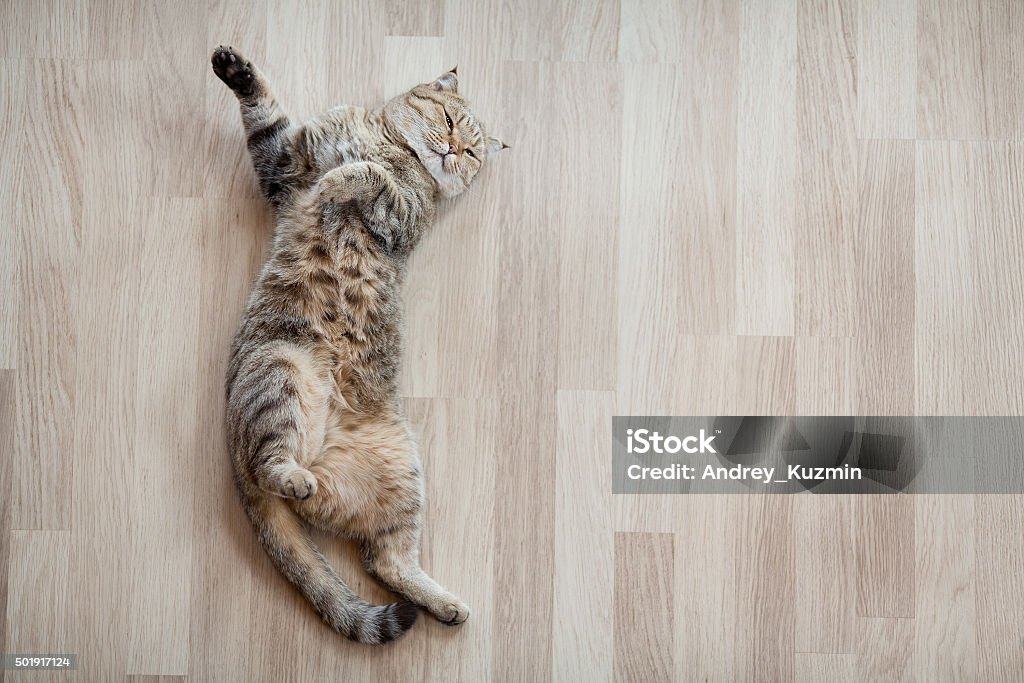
{"x":437,"y":124}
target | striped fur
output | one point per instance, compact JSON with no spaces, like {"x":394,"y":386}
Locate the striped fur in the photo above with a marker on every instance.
{"x":314,"y":428}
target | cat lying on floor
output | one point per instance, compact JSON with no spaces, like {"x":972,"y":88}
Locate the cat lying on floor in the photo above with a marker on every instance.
{"x":314,"y":427}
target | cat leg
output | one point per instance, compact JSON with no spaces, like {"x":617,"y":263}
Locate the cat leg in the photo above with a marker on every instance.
{"x":276,"y":407}
{"x":387,"y":209}
{"x":394,"y":558}
{"x":265,"y":122}
{"x":371,"y":490}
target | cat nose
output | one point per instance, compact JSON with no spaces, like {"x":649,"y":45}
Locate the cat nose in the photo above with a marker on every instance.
{"x":451,"y":148}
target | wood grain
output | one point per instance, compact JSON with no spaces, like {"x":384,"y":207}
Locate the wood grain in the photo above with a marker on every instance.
{"x":644,"y":614}
{"x":711,"y":207}
{"x":885,"y":649}
{"x":166,"y":420}
{"x":589,"y":203}
{"x":41,"y":595}
{"x":826,"y":212}
{"x":998,"y":580}
{"x":49,"y":229}
{"x":526,"y":364}
{"x":13,"y":80}
{"x":766,"y":168}
{"x":7,"y":398}
{"x":944,"y":577}
{"x":968,"y":63}
{"x":584,"y":589}
{"x":825,"y":562}
{"x":886,"y":55}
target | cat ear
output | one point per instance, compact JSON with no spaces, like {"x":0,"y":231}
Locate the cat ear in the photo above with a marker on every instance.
{"x":448,"y":82}
{"x":495,"y":145}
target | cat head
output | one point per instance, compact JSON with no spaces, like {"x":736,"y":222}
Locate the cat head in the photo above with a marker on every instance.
{"x":450,"y":142}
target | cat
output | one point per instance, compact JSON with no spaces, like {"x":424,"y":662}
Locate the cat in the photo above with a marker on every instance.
{"x":315,"y":432}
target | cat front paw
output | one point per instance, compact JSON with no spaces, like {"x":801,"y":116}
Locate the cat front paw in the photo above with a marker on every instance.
{"x":299,"y":483}
{"x":352,"y":181}
{"x":235,"y":70}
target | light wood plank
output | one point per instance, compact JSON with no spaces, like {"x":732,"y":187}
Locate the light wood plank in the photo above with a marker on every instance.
{"x":7,"y":435}
{"x":13,"y":112}
{"x":524,"y":512}
{"x":884,"y":256}
{"x":308,"y":18}
{"x":826,"y":214}
{"x":826,"y":572}
{"x":643,"y":607}
{"x":590,"y":133}
{"x":765,"y":374}
{"x":999,"y":586}
{"x":945,"y":640}
{"x":49,"y":230}
{"x":766,"y":168}
{"x":457,"y":444}
{"x":825,"y":379}
{"x":819,"y":667}
{"x":652,"y":32}
{"x":706,"y":600}
{"x":351,"y":66}
{"x":153,"y":101}
{"x":167,"y":428}
{"x":414,"y":18}
{"x":967,"y":61}
{"x":590,"y":31}
{"x":235,"y":236}
{"x":45,"y":29}
{"x":968,"y":216}
{"x":106,"y":306}
{"x":950,"y":83}
{"x":40,"y":596}
{"x":584,"y":542}
{"x":1001,"y":29}
{"x":885,"y":649}
{"x":885,"y":566}
{"x":765,"y":582}
{"x":886,"y":54}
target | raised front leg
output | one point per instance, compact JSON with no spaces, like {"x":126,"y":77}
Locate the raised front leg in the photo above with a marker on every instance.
{"x":266,"y":125}
{"x":385,"y":207}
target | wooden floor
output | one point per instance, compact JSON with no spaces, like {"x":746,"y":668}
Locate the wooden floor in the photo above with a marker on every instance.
{"x":709,"y":207}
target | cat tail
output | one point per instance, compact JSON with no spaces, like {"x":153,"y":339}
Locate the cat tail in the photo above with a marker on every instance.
{"x":287,"y":541}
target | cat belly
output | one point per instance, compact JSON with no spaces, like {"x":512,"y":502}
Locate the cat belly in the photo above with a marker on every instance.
{"x":368,"y":475}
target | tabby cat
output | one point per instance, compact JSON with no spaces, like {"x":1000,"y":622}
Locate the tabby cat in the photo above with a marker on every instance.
{"x":315,"y":432}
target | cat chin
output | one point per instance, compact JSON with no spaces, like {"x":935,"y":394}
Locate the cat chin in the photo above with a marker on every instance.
{"x":448,"y":185}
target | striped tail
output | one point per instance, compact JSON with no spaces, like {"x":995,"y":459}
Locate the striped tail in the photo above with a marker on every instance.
{"x":290,"y":546}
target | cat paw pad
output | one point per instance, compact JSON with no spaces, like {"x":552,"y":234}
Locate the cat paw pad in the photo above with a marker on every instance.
{"x":235,"y":70}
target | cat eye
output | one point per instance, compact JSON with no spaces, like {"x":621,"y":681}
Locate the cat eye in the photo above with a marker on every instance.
{"x":470,"y":153}
{"x":448,"y":120}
